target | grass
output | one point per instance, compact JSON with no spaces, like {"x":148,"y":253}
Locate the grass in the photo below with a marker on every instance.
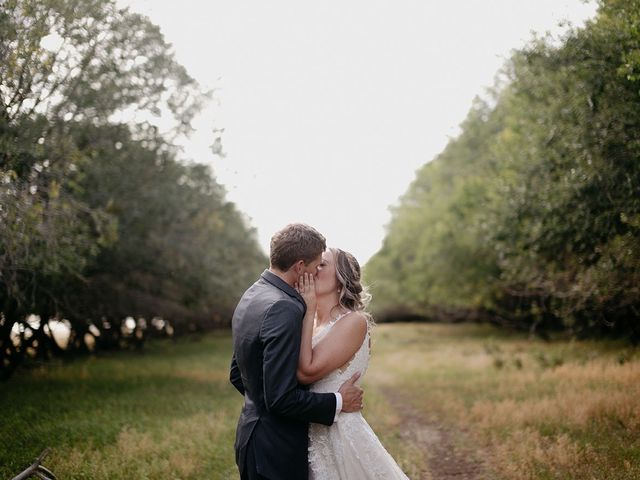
{"x":537,"y":410}
{"x":168,"y":412}
{"x":387,"y":423}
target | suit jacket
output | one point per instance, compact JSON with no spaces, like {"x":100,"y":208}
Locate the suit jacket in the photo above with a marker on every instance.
{"x":267,"y":327}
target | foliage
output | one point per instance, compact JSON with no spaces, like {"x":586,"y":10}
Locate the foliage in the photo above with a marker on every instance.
{"x":531,"y":216}
{"x":182,"y":252}
{"x":99,"y":218}
{"x":77,"y":60}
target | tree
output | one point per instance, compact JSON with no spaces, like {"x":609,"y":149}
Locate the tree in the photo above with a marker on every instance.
{"x":98,"y":216}
{"x":530,"y":217}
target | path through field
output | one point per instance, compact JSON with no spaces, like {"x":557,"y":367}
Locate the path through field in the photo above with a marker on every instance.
{"x":445,"y":455}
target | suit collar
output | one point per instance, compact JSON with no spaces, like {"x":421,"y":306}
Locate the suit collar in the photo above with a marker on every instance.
{"x":276,"y":281}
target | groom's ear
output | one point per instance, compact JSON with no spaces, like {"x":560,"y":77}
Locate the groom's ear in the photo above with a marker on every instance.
{"x":298,"y":267}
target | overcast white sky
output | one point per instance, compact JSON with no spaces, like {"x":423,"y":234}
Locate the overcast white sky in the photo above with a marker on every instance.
{"x":330,"y":107}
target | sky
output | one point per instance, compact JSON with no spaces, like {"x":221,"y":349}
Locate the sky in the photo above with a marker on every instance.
{"x":329,"y":108}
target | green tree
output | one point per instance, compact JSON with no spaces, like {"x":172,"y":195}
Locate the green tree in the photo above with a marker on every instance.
{"x":98,"y":218}
{"x":530,"y":217}
{"x":183,"y":251}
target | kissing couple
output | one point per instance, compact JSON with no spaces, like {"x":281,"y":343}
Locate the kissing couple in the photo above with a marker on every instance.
{"x":301,"y":345}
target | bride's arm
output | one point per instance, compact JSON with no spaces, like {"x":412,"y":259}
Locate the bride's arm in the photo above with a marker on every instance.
{"x":306,"y":288}
{"x":335,"y":349}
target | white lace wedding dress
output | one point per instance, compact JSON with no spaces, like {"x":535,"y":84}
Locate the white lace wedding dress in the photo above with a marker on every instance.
{"x":347,"y":450}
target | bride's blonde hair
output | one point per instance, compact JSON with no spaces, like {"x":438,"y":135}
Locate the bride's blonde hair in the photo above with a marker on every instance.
{"x":353,"y":295}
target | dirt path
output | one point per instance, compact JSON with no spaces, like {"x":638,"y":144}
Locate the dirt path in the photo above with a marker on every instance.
{"x":445,"y":457}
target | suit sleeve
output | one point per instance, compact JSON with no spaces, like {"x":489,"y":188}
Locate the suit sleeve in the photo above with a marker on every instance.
{"x":234,"y":375}
{"x":280,"y":333}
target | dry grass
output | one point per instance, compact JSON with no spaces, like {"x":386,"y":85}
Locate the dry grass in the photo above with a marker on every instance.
{"x":386,"y":423}
{"x":540,"y":410}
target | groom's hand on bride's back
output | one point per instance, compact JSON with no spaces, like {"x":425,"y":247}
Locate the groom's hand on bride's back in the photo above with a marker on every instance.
{"x":351,"y":395}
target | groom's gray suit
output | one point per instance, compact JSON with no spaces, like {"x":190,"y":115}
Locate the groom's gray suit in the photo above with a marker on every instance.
{"x":272,"y":433}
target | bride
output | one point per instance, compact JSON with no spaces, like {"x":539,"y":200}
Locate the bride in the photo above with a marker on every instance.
{"x":335,"y":346}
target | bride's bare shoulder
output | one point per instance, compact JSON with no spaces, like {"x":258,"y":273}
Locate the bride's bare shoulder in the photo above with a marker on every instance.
{"x":354,"y":323}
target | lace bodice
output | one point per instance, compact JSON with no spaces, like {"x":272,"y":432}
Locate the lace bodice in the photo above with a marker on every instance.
{"x":359,"y":362}
{"x":348,"y":449}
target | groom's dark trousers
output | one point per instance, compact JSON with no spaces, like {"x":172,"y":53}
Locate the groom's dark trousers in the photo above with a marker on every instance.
{"x":272,"y":434}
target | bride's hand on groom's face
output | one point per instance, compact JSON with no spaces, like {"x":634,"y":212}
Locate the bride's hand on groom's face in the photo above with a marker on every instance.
{"x":306,"y":287}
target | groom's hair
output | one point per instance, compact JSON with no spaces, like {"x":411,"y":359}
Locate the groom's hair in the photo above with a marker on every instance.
{"x":294,"y":242}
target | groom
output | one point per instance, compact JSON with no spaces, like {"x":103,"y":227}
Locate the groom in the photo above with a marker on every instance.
{"x":272,"y":433}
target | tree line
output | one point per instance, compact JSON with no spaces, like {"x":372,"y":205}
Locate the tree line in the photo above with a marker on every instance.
{"x":531,"y":216}
{"x":100,"y":219}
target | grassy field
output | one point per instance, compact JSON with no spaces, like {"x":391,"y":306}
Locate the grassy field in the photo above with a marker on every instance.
{"x":168,"y":412}
{"x":532,"y":409}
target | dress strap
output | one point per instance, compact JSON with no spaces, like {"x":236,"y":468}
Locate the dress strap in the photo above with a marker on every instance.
{"x":320,"y":334}
{"x":333,"y":322}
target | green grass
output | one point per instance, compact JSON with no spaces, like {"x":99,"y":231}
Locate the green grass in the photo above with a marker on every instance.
{"x":168,"y":412}
{"x":540,"y":410}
